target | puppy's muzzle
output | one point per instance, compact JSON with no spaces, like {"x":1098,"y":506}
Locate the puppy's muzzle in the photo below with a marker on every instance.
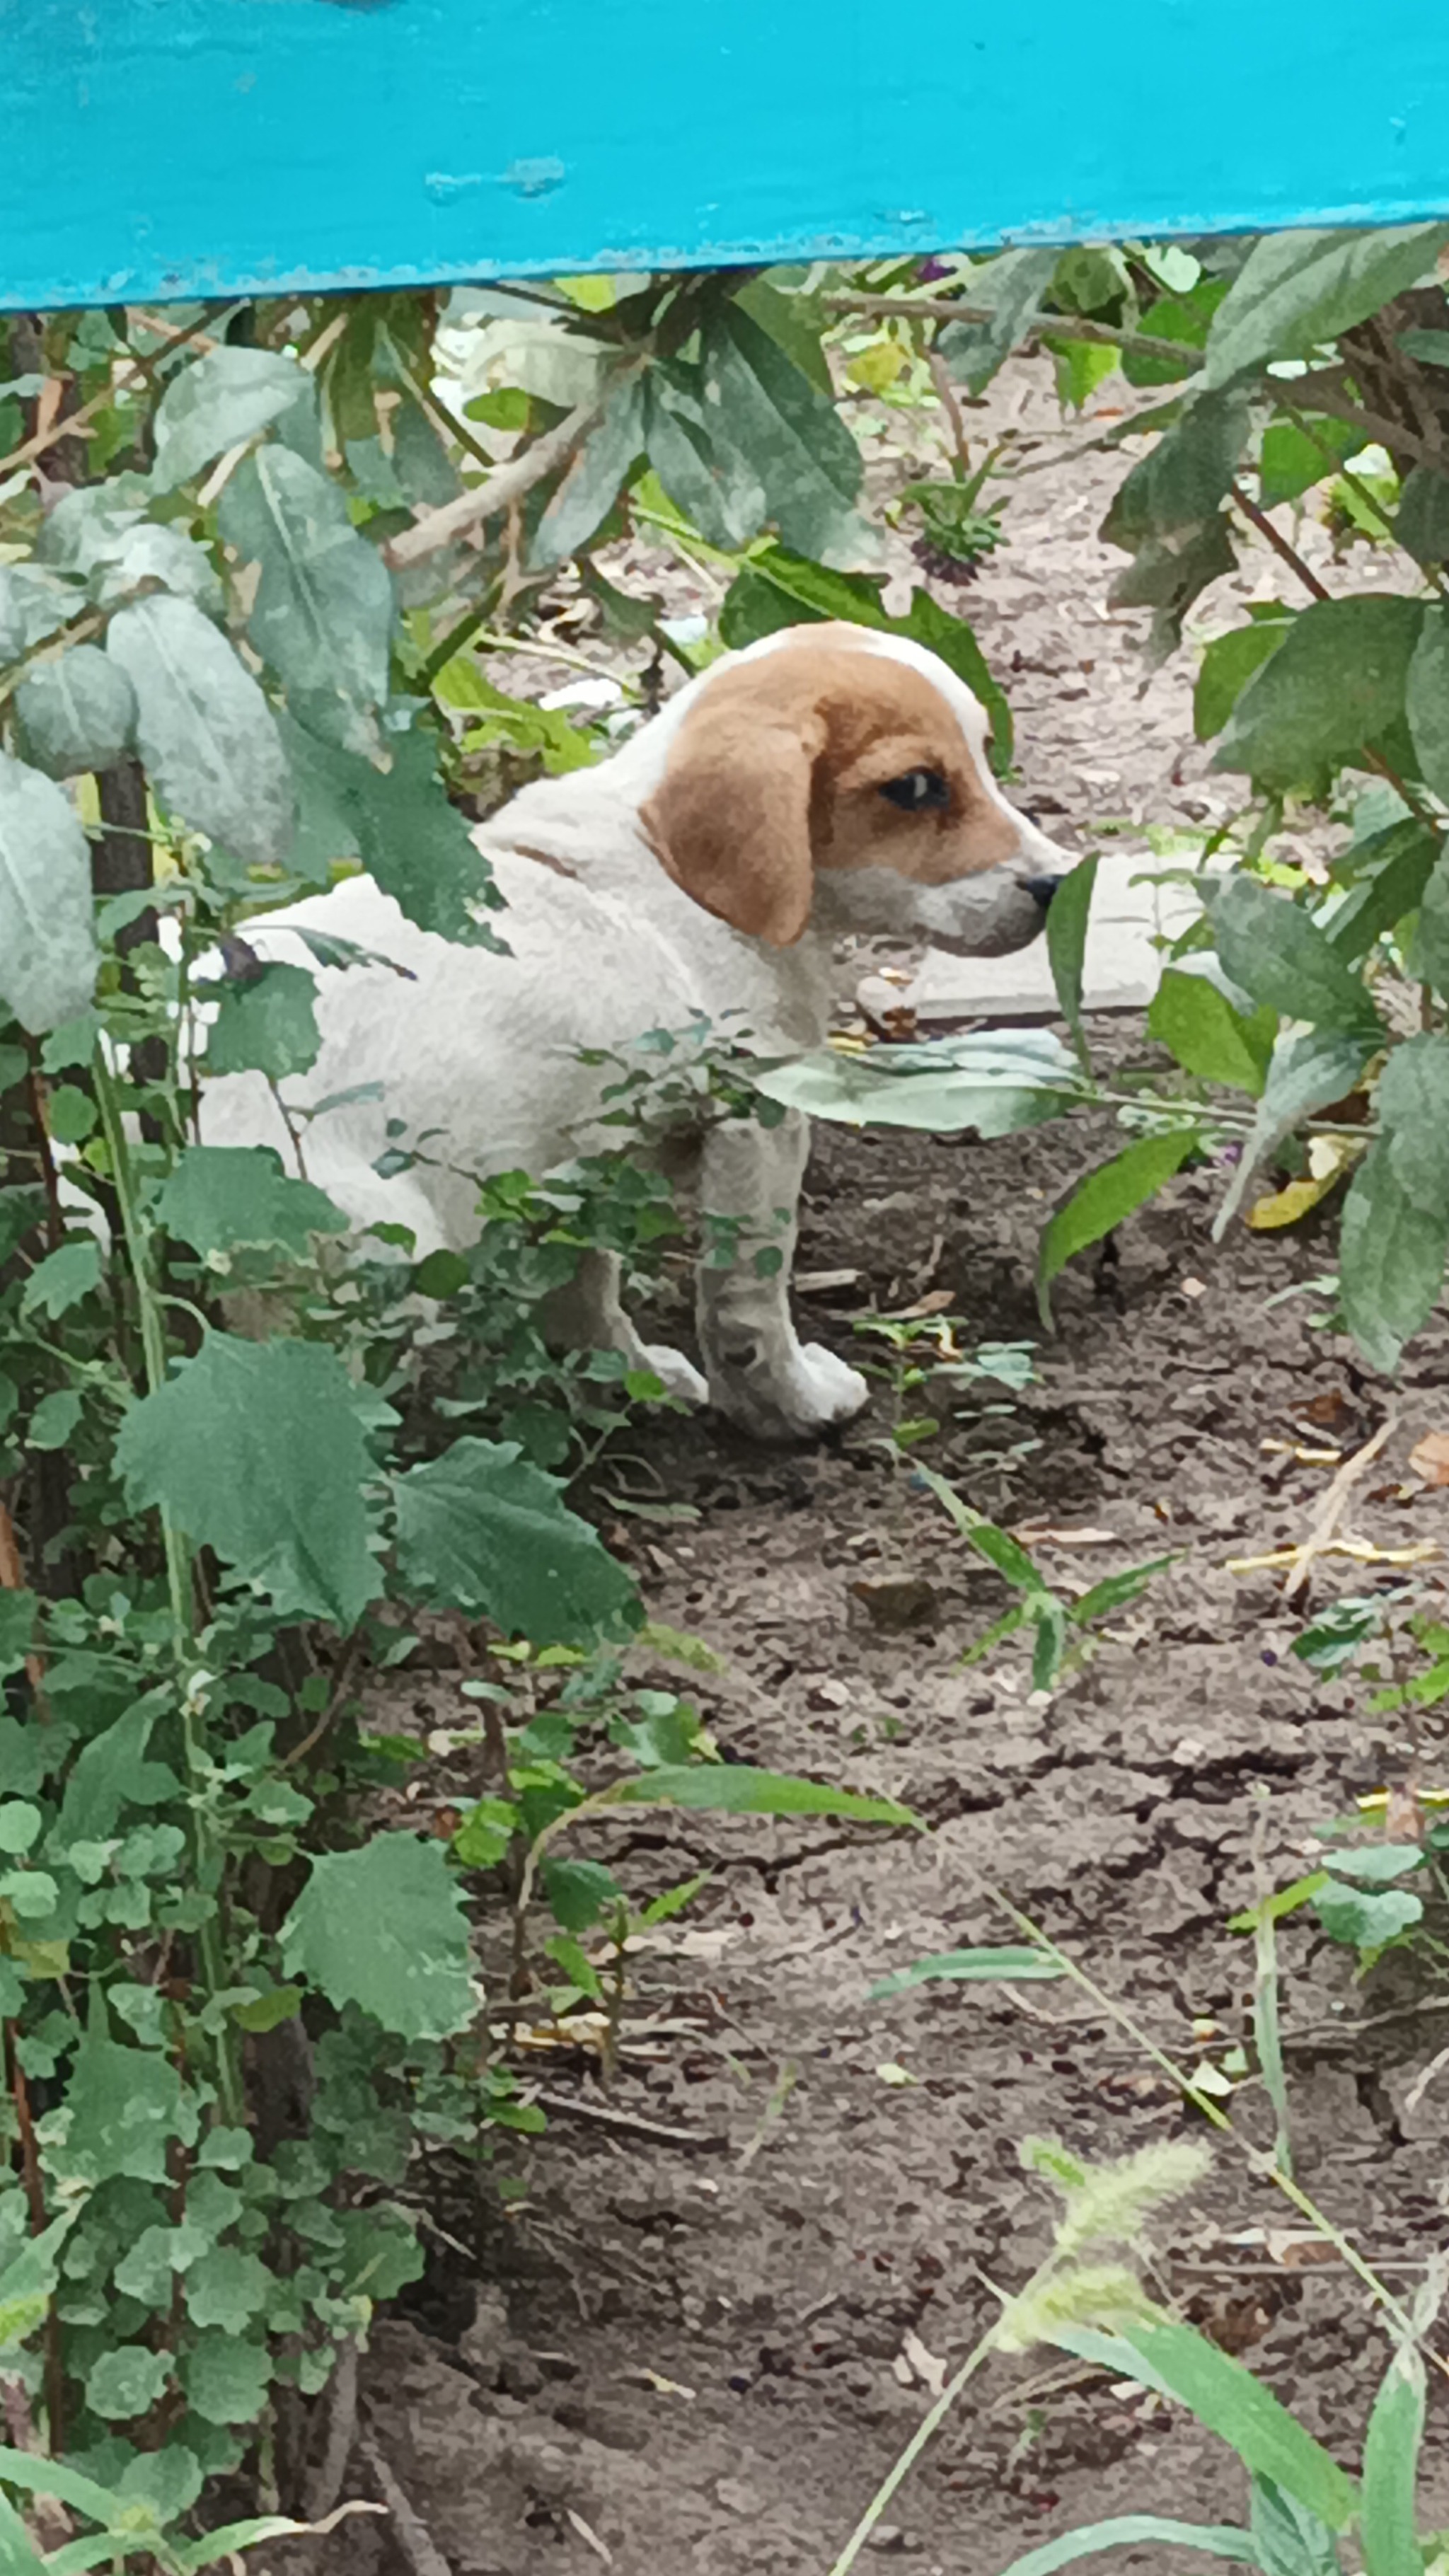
{"x":1040,"y":889}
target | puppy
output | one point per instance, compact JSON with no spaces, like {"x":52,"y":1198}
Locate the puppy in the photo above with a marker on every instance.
{"x":825,"y":780}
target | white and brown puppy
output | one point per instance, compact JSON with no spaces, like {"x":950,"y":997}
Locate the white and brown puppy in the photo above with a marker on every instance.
{"x":826,"y":780}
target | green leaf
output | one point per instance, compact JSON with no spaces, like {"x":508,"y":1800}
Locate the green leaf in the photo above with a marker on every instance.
{"x":63,"y":1278}
{"x":1290,"y":2541}
{"x":54,"y":1420}
{"x":268,"y":1024}
{"x":807,"y":462}
{"x":257,"y":1449}
{"x":1198,"y":1025}
{"x":204,"y":729}
{"x":1365,"y":1919}
{"x":125,"y":2105}
{"x":1184,"y":476}
{"x":1228,"y":665}
{"x":223,"y":399}
{"x":227,"y":2288}
{"x":1412,"y":1101}
{"x":1107,"y":1196}
{"x":593,"y":478}
{"x":1080,"y":366}
{"x":34,"y":604}
{"x":704,"y":476}
{"x":17,"y":1630}
{"x":567,"y":1954}
{"x":995,"y":1082}
{"x":1270,"y":947}
{"x":482,"y":1531}
{"x":1421,"y":521}
{"x":1374,"y":1863}
{"x":1392,"y":877}
{"x":1214,"y":2539}
{"x":1391,"y":2469}
{"x":48,"y":952}
{"x":1066,"y":938}
{"x":1011,"y":287}
{"x":578,"y":1891}
{"x":795,"y":321}
{"x":1309,"y":1070}
{"x":984,"y":1967}
{"x":221,"y":1198}
{"x":1292,"y":461}
{"x":1169,"y":573}
{"x":1116,"y":1590}
{"x":1427,"y":701}
{"x":145,"y":555}
{"x":34,"y":2474}
{"x":1391,"y":1260}
{"x":126,"y":2382}
{"x":226,"y":2382}
{"x":75,"y":713}
{"x":323,"y":614}
{"x":110,"y":1772}
{"x":384,"y":1928}
{"x":1233,"y":2404}
{"x":1335,"y":688}
{"x":737,"y":1789}
{"x":399,"y":822}
{"x":1297,"y":290}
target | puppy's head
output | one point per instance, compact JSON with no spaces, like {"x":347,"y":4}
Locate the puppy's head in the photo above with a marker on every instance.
{"x":840,"y":778}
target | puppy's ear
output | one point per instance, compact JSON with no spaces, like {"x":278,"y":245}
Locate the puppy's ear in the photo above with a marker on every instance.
{"x":730,"y":819}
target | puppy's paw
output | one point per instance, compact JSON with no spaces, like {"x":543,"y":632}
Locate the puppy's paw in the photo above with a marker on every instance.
{"x":678,"y":1376}
{"x":807,"y":1392}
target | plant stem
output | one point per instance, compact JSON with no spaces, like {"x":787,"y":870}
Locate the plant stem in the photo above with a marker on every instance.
{"x":1062,"y":326}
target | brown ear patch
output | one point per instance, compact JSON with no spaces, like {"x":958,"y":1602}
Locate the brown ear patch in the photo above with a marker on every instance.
{"x":730,"y":819}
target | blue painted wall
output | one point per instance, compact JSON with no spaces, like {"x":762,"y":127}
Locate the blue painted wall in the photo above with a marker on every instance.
{"x":165,"y":148}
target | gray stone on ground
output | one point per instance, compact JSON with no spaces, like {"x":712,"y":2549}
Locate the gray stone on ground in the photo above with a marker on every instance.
{"x":1135,"y":909}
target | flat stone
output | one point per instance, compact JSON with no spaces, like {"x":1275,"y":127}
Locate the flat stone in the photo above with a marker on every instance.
{"x":1123,"y":961}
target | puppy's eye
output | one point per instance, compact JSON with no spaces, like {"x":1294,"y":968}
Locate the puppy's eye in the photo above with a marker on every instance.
{"x":920,"y":791}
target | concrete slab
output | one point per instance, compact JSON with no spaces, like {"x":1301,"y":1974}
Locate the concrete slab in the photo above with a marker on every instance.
{"x":1123,"y":962}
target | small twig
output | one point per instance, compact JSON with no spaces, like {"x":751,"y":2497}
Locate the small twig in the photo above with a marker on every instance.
{"x":946,"y":397}
{"x":342,"y":1673}
{"x":780,"y":2092}
{"x":1326,"y":1518}
{"x":410,"y":2532}
{"x":12,"y":1579}
{"x":1061,"y":326}
{"x":507,"y":486}
{"x":325,"y":2487}
{"x":630,"y":2124}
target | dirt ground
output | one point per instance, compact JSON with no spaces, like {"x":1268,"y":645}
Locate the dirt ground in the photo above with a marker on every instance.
{"x":713,"y":2318}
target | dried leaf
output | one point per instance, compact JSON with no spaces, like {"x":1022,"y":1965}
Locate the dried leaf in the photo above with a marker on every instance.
{"x":1429,"y":1458}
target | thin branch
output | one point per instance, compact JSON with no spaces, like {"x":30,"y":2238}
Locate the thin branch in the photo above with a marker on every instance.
{"x":490,"y":500}
{"x":342,"y":1674}
{"x":1062,"y":326}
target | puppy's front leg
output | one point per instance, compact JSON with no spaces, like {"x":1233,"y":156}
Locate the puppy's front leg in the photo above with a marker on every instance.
{"x":774,"y":1386}
{"x":589,"y":1314}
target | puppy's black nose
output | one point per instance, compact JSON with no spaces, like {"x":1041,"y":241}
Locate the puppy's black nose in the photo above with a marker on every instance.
{"x":1041,"y":889}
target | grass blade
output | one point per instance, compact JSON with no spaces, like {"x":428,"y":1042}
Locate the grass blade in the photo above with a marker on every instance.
{"x":738,"y":1789}
{"x":1390,"y":2470}
{"x":1215,"y":2539}
{"x":1001,"y":1967}
{"x":1225,"y":2397}
{"x":1066,"y":939}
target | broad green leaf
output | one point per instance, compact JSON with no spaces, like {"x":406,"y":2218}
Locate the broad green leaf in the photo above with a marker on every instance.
{"x":1391,"y":2469}
{"x":1107,"y":1196}
{"x":227,"y":2287}
{"x":1184,"y":477}
{"x":985,"y":1967}
{"x":481,"y":1530}
{"x":1421,"y":521}
{"x":705,"y":477}
{"x":48,"y":952}
{"x":55,"y":1417}
{"x":257,"y":1449}
{"x":1375,"y":1863}
{"x":1214,"y":2539}
{"x":1011,"y":287}
{"x":126,"y":2382}
{"x":1228,"y":665}
{"x":147,"y":554}
{"x":737,"y":1789}
{"x":1292,"y":460}
{"x":1364,"y":1918}
{"x":323,"y":614}
{"x":1309,"y":1070}
{"x":807,"y":462}
{"x":125,"y":2105}
{"x":1182,"y":320}
{"x":17,"y":1630}
{"x":226,"y":2382}
{"x":220,"y":401}
{"x":1066,"y":938}
{"x":1233,"y":2404}
{"x":204,"y":729}
{"x":383,"y":1927}
{"x":21,"y":2557}
{"x":219,"y":1198}
{"x":110,"y":1772}
{"x":1270,"y":947}
{"x":1290,"y":2541}
{"x":592,"y":480}
{"x":796,"y":321}
{"x":1198,"y":1025}
{"x":1428,"y":701}
{"x":1431,"y":944}
{"x":75,"y":713}
{"x":1335,"y":688}
{"x":63,"y":1278}
{"x":1297,"y":290}
{"x":34,"y":2474}
{"x":1412,"y":1101}
{"x":1081,"y":366}
{"x":268,"y":1024}
{"x":399,"y":822}
{"x":1169,"y":572}
{"x":1391,"y":1260}
{"x":22,"y":1211}
{"x":579,"y":1891}
{"x":995,"y":1083}
{"x":34,"y":603}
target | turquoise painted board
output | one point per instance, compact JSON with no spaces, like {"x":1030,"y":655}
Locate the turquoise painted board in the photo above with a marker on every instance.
{"x":169,"y":148}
